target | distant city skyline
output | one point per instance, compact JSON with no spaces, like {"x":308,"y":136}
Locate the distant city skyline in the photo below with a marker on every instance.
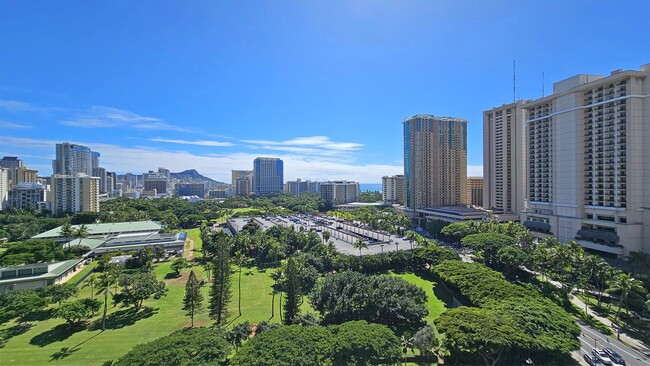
{"x":323,"y":86}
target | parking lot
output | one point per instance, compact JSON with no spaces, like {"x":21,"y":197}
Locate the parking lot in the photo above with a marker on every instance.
{"x":342,"y":233}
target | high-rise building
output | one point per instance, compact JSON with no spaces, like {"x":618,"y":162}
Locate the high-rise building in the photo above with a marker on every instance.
{"x":589,"y":162}
{"x":392,"y":189}
{"x":475,"y":191}
{"x":504,"y":161}
{"x":190,"y":189}
{"x":240,"y":173}
{"x":74,"y":193}
{"x":100,"y":173}
{"x":94,"y":160}
{"x":242,"y":182}
{"x":339,"y":192}
{"x":11,"y":162}
{"x":268,"y":175}
{"x":28,"y":196}
{"x":4,"y":187}
{"x":21,"y":175}
{"x":244,"y":185}
{"x":296,"y":187}
{"x":111,"y":179}
{"x":73,"y":158}
{"x":435,"y":161}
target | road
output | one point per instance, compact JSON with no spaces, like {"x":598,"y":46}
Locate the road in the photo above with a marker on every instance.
{"x":591,"y":337}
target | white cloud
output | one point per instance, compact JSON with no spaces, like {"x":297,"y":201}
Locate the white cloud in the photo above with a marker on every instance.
{"x":11,"y":125}
{"x":109,"y":117}
{"x":217,"y":166}
{"x":15,"y":106}
{"x":312,"y":145}
{"x":197,"y":142}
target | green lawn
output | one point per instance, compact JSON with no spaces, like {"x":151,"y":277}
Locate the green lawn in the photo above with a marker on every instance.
{"x":79,"y":275}
{"x":435,"y":306}
{"x":49,"y":342}
{"x":195,"y":234}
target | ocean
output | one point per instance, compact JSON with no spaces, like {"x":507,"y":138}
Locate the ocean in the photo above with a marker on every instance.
{"x":370,"y":187}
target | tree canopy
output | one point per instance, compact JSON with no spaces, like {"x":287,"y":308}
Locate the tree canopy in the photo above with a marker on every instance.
{"x":352,"y":343}
{"x":185,"y":347}
{"x":384,"y":299}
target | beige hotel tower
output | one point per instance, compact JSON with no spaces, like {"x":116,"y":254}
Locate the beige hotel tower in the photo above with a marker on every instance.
{"x":586,"y":162}
{"x":504,"y":160}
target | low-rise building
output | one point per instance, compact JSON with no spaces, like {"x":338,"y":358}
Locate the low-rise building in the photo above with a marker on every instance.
{"x":190,"y":189}
{"x":456,"y":213}
{"x":172,"y":243}
{"x":37,"y":275}
{"x":104,"y":230}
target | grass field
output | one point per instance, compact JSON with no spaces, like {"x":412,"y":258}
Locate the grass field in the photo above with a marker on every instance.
{"x":194,"y":234}
{"x":435,"y":306}
{"x":50,"y":342}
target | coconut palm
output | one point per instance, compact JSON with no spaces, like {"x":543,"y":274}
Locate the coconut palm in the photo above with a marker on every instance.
{"x":624,"y":285}
{"x":91,"y":282}
{"x":81,"y":233}
{"x":107,"y":279}
{"x":360,"y":244}
{"x":277,"y":276}
{"x":67,"y":231}
{"x":240,"y":258}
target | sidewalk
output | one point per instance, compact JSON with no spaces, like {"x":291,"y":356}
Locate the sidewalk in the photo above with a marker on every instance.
{"x":631,"y":342}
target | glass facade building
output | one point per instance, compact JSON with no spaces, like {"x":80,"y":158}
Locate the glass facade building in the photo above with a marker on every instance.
{"x":268,"y":175}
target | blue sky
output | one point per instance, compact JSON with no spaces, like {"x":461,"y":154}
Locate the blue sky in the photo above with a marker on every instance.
{"x":322,"y":84}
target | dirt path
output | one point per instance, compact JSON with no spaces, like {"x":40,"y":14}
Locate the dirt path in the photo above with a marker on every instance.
{"x":190,"y":251}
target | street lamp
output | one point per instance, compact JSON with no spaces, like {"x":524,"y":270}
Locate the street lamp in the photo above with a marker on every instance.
{"x":382,"y":247}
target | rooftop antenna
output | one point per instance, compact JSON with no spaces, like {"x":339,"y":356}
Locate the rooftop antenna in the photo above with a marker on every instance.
{"x":514,"y":82}
{"x":542,"y":84}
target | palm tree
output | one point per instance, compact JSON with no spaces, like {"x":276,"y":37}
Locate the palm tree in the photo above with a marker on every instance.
{"x":360,"y":244}
{"x":624,"y":285}
{"x":81,"y":233}
{"x":274,"y":249}
{"x":207,"y":265}
{"x":326,"y":236}
{"x":91,"y":282}
{"x":67,"y":231}
{"x":277,"y":276}
{"x":239,"y":258}
{"x":106,"y":280}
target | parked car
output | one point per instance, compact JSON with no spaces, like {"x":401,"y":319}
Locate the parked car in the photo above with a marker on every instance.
{"x":602,"y":356}
{"x":592,"y":360}
{"x":615,"y":357}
